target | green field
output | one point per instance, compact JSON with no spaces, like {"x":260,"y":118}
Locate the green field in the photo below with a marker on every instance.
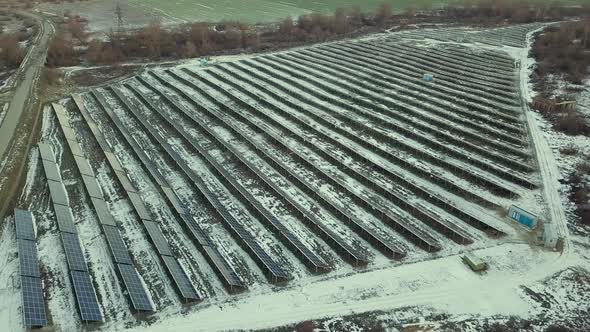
{"x":259,"y":10}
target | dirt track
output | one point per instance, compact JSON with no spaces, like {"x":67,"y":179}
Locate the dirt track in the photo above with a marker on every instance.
{"x":23,"y":101}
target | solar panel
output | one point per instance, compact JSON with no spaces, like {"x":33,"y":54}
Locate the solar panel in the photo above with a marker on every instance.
{"x":23,"y":221}
{"x":157,"y":237}
{"x":224,"y":267}
{"x":115,"y":164}
{"x":85,"y":296}
{"x":69,"y":133}
{"x":65,"y":219}
{"x":185,"y":286}
{"x":174,"y":200}
{"x":137,"y":293}
{"x":117,"y":245}
{"x":74,"y":253}
{"x":33,"y":304}
{"x":83,"y":166}
{"x":63,"y":120}
{"x":51,"y":170}
{"x":75,"y":147}
{"x":92,"y":186}
{"x":104,"y":215}
{"x":125,"y":182}
{"x":46,"y":152}
{"x":27,"y":257}
{"x":139,"y":206}
{"x":58,"y":192}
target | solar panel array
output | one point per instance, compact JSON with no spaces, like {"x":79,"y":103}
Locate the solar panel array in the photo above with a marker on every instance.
{"x":182,"y":282}
{"x":219,"y":262}
{"x":119,"y":250}
{"x":31,"y":286}
{"x":267,"y":263}
{"x":85,"y":295}
{"x":309,"y":258}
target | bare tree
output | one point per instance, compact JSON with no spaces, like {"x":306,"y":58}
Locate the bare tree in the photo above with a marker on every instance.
{"x":384,"y":12}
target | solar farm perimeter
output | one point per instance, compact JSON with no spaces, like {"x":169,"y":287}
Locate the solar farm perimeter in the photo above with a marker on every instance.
{"x":277,"y":188}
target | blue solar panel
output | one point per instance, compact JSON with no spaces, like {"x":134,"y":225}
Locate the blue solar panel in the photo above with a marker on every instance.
{"x":46,"y":152}
{"x":65,"y":219}
{"x":114,"y":162}
{"x":116,"y":244}
{"x":103,"y":212}
{"x":59,"y":195}
{"x":75,"y":147}
{"x":27,"y":257}
{"x":174,"y":200}
{"x":69,"y":133}
{"x":33,"y":304}
{"x":92,"y":186}
{"x":127,"y":185}
{"x":83,"y":166}
{"x":51,"y":170}
{"x":23,"y":221}
{"x":137,"y":293}
{"x":157,"y":237}
{"x":85,"y":296}
{"x":74,"y":254}
{"x":181,"y":280}
{"x":139,"y":206}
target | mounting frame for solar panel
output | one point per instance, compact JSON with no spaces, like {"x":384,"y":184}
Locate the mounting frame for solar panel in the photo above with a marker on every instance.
{"x":224,"y":270}
{"x":154,"y":232}
{"x":71,"y":231}
{"x":33,"y":304}
{"x":84,"y":168}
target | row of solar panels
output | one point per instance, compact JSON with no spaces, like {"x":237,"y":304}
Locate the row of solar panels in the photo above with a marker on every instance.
{"x":328,"y":234}
{"x":372,"y":236}
{"x":264,"y":260}
{"x":402,"y":202}
{"x":80,"y":278}
{"x":139,"y":296}
{"x":218,"y":261}
{"x":341,"y":246}
{"x":33,"y":308}
{"x":309,"y":258}
{"x":181,"y":280}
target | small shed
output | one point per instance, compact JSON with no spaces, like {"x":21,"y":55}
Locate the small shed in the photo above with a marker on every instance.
{"x":428,"y":77}
{"x":475,"y":263}
{"x":550,"y":236}
{"x":522,"y":217}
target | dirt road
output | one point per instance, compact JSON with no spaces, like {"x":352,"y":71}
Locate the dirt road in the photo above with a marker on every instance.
{"x":28,"y":77}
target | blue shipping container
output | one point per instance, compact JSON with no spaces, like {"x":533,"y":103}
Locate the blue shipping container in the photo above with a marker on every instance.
{"x":522,"y":217}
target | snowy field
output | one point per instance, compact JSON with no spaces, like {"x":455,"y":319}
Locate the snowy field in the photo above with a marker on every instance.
{"x":319,"y":182}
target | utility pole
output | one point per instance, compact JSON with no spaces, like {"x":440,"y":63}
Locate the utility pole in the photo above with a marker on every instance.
{"x":119,"y":16}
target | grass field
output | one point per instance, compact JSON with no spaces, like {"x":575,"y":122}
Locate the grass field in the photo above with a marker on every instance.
{"x":259,"y":10}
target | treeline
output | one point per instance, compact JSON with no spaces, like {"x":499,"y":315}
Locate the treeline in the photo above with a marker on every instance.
{"x":186,"y":41}
{"x":580,"y":192}
{"x":563,"y":53}
{"x":564,"y":50}
{"x":485,"y":12}
{"x":200,"y":39}
{"x":11,"y":53}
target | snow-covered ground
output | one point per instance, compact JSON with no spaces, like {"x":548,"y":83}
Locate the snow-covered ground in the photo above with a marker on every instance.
{"x":238,"y":113}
